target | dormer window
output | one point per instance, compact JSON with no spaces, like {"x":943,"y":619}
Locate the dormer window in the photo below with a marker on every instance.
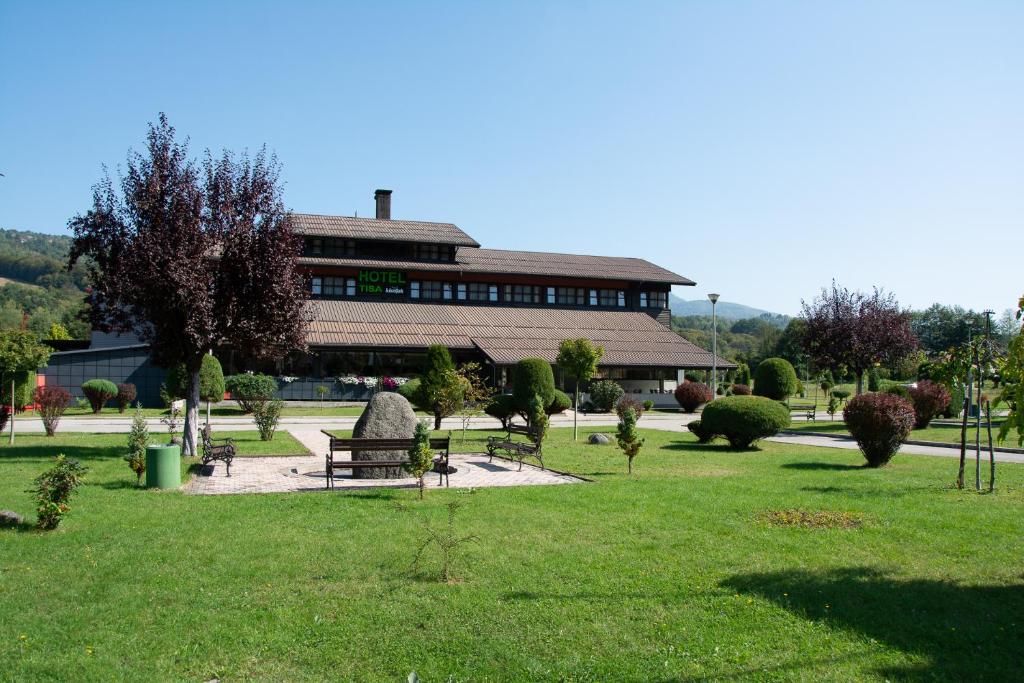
{"x":432,"y":252}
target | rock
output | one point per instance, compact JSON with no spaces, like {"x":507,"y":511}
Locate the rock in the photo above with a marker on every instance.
{"x":10,"y":518}
{"x":387,"y":416}
{"x":601,"y":439}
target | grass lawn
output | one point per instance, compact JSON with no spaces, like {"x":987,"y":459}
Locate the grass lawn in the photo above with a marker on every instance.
{"x":288,"y":411}
{"x":248,"y":443}
{"x":674,"y":573}
{"x":946,"y":433}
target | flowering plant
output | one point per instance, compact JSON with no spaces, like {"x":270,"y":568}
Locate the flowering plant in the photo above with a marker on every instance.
{"x":388,"y":383}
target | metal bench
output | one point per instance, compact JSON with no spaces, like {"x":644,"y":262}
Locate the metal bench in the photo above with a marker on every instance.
{"x":217,"y":449}
{"x":808,"y":411}
{"x":336,"y":444}
{"x":516,"y":449}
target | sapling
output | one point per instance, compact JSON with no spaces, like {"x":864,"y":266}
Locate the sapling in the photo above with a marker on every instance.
{"x":421,"y":458}
{"x":628,"y":437}
{"x":447,"y":541}
{"x":138,"y":439}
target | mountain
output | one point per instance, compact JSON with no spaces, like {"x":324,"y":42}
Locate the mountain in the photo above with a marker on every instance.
{"x":725,"y":309}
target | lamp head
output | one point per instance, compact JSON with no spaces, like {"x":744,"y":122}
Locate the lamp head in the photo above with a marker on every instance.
{"x":713,"y":298}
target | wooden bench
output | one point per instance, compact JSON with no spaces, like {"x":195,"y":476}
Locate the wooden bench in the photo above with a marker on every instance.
{"x":517,"y":449}
{"x":808,"y":411}
{"x":439,"y":444}
{"x":217,"y":449}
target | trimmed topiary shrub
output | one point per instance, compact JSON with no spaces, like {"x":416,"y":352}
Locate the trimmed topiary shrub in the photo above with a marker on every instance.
{"x":841,"y":394}
{"x":502,"y":407}
{"x":648,"y":404}
{"x":929,"y":399}
{"x":692,"y":395}
{"x":628,"y":401}
{"x":211,"y":380}
{"x":24,"y":387}
{"x":899,"y":390}
{"x":247,"y":389}
{"x":52,"y":401}
{"x":126,"y":394}
{"x":776,"y":379}
{"x":99,"y":391}
{"x":880,"y":423}
{"x":532,"y":377}
{"x":605,"y":394}
{"x":560,"y":404}
{"x":742,"y":420}
{"x":698,"y":430}
{"x":873,"y":380}
{"x":740,"y":390}
{"x":409,"y":390}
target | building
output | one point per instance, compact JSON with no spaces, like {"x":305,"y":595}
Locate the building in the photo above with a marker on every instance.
{"x":383,"y":290}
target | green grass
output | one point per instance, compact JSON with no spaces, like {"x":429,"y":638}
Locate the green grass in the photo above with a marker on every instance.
{"x":671,"y":574}
{"x":249,"y":443}
{"x":937,"y":431}
{"x":226,"y":411}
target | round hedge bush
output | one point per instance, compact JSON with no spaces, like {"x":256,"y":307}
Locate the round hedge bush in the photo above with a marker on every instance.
{"x":740,"y":390}
{"x":776,"y":379}
{"x":879,"y":422}
{"x":502,"y":407}
{"x":692,"y":395}
{"x":605,"y":394}
{"x":703,"y":435}
{"x":247,"y":389}
{"x":629,"y":402}
{"x":99,"y":391}
{"x":560,"y":403}
{"x":929,"y":399}
{"x":409,"y":390}
{"x":742,"y":420}
{"x":532,"y":377}
{"x":899,"y":390}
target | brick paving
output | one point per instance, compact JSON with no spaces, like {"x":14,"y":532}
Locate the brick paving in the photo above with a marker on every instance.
{"x":306,"y":473}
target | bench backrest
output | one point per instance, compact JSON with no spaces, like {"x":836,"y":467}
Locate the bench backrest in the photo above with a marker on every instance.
{"x":520,"y":429}
{"x":352,"y":444}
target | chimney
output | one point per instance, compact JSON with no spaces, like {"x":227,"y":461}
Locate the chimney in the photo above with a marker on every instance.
{"x":383,"y":198}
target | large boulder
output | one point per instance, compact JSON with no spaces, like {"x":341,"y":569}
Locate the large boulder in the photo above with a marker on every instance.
{"x":387,"y":416}
{"x":10,"y":518}
{"x":599,"y":439}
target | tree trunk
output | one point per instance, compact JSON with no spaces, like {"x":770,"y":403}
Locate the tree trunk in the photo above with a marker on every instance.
{"x":629,"y":465}
{"x":963,"y":444}
{"x":437,"y":421}
{"x":575,"y":410}
{"x":860,"y":382}
{"x":12,"y":412}
{"x":991,"y":450}
{"x":188,"y":440}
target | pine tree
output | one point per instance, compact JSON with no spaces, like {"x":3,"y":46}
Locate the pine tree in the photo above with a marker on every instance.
{"x":138,"y":439}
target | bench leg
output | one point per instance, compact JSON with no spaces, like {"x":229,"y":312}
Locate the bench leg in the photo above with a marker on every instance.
{"x":227,"y":465}
{"x":328,"y":472}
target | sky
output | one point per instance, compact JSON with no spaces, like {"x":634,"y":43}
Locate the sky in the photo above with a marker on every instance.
{"x":762,"y":149}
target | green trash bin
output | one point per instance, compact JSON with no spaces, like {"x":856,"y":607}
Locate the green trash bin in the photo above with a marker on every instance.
{"x":163,"y":466}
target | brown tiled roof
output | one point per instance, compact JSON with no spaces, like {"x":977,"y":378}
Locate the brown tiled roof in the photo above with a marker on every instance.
{"x":484,"y":261}
{"x":373,"y":229}
{"x":505,"y":335}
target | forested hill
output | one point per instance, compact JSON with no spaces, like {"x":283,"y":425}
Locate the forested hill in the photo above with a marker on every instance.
{"x":35,"y":282}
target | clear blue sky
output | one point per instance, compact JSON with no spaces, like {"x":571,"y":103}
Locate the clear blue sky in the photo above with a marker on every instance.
{"x":758,"y":148}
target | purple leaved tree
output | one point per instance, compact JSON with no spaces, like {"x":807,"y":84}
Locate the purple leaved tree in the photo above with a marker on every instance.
{"x":193,"y":259}
{"x":856,"y":330}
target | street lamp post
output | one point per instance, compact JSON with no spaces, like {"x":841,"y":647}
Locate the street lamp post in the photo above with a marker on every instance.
{"x":714,"y":347}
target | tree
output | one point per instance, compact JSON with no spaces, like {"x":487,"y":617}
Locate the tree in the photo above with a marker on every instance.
{"x":421,"y":458}
{"x":1012,"y":373}
{"x":138,"y":440}
{"x":578,"y":359}
{"x":58,"y":332}
{"x":191,"y":263}
{"x":790,"y":346}
{"x":211,"y":382}
{"x":441,"y":388}
{"x":20,"y":353}
{"x":939,"y":327}
{"x":856,"y":330}
{"x":475,"y":393}
{"x":628,"y":437}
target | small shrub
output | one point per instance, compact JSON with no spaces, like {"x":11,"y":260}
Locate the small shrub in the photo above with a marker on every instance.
{"x":604,"y":394}
{"x":648,"y":405}
{"x":800,"y":389}
{"x":532,"y":377}
{"x":5,"y":416}
{"x":250,"y":389}
{"x":703,"y":435}
{"x":126,"y":394}
{"x":880,"y":423}
{"x":560,"y":404}
{"x":929,"y":399}
{"x":899,"y":390}
{"x":410,"y":390}
{"x":502,"y":407}
{"x":776,"y":379}
{"x":743,"y":374}
{"x":692,"y":395}
{"x":742,"y":420}
{"x":841,"y":394}
{"x":52,"y":401}
{"x":873,"y":380}
{"x":267,"y":414}
{"x":833,"y":407}
{"x":138,"y":439}
{"x":956,"y":401}
{"x":421,"y":458}
{"x":99,"y":391}
{"x":692,"y":377}
{"x":54,"y":489}
{"x":740,"y":390}
{"x":627,"y":435}
{"x":211,"y":380}
{"x":826,"y":385}
{"x":537,"y":418}
{"x":628,"y":402}
{"x":24,"y":387}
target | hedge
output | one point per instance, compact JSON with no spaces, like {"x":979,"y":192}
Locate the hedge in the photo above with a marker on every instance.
{"x":742,"y":420}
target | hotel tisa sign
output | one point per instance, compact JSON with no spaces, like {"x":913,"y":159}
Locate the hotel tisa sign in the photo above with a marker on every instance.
{"x":381,"y":282}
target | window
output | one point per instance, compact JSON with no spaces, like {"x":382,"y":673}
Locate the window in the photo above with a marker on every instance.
{"x":350,"y":287}
{"x":414,"y":290}
{"x":477,"y":291}
{"x":608,"y":297}
{"x":571,"y":296}
{"x":447,"y":291}
{"x":334,"y":286}
{"x":432,"y":252}
{"x":316,"y":286}
{"x":316,"y":247}
{"x":430,"y":289}
{"x":551,"y":295}
{"x":654,"y":299}
{"x":522,"y":294}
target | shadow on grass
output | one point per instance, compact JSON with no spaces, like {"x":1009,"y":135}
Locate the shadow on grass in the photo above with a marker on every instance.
{"x":966,"y":632}
{"x":715,"y":447}
{"x":820,"y":466}
{"x":45,"y":452}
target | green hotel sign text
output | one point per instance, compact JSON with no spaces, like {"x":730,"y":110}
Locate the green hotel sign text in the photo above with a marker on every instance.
{"x":381,"y":282}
